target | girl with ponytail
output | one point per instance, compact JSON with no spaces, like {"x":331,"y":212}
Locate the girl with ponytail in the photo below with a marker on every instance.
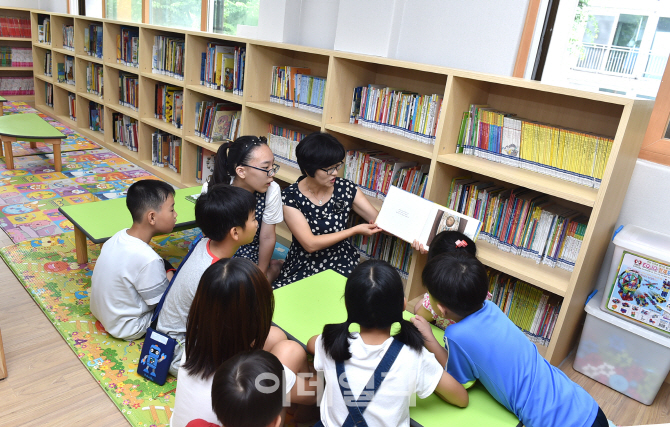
{"x":248,"y":163}
{"x":375,"y":300}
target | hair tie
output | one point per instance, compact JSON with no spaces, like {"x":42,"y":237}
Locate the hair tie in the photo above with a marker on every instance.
{"x":461,"y":243}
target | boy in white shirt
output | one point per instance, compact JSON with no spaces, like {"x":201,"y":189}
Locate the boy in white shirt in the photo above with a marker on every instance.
{"x":129,"y":277}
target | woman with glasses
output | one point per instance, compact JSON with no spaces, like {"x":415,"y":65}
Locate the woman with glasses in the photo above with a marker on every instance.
{"x":317,"y":209}
{"x":248,"y":163}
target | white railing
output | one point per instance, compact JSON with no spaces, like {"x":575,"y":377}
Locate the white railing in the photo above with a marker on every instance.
{"x":607,"y":59}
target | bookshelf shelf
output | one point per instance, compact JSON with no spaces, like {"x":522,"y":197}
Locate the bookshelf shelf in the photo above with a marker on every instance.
{"x":90,"y":58}
{"x":63,"y":51}
{"x":224,"y":96}
{"x":283,"y":234}
{"x":123,"y":110}
{"x":291,"y":113}
{"x":160,"y":124}
{"x":211,"y":146}
{"x":554,"y":280}
{"x":620,"y":118}
{"x":524,"y":178}
{"x":16,"y":68}
{"x":44,"y":78}
{"x":165,"y":173}
{"x":163,"y":78}
{"x":91,"y":97}
{"x":383,"y":138}
{"x":287,"y":173}
{"x":66,"y":120}
{"x":16,"y":39}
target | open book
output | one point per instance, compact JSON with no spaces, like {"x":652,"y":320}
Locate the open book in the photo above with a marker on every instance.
{"x":411,"y":217}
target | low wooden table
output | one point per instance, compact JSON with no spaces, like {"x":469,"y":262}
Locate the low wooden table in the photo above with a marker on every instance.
{"x":31,"y":128}
{"x":98,"y":221}
{"x":2,"y":104}
{"x":303,"y":308}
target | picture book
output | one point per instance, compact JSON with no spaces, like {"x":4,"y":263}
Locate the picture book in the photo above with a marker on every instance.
{"x":61,"y":72}
{"x":411,"y":217}
{"x":222,"y":122}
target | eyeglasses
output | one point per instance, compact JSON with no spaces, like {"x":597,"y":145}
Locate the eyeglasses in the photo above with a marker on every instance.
{"x":335,"y":169}
{"x":271,"y":172}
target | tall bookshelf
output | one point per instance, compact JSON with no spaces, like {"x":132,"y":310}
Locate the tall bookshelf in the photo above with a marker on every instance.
{"x":623,"y":119}
{"x":15,"y":41}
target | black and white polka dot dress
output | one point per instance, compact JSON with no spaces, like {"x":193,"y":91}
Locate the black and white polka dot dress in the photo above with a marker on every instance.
{"x":329,"y":218}
{"x":250,"y":250}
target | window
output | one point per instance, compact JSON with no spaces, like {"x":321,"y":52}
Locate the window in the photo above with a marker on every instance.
{"x":177,"y":14}
{"x":124,"y":10}
{"x":225,"y":15}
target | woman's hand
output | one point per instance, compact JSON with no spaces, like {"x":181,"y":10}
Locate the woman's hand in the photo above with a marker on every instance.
{"x":419,"y":247}
{"x":366,"y":229}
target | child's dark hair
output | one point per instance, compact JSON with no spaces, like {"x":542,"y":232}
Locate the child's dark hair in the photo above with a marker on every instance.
{"x":318,"y":151}
{"x":237,"y":399}
{"x":231,"y":313}
{"x":457,"y":281}
{"x":221,"y":208}
{"x":445,"y":242}
{"x":145,"y":195}
{"x":232,"y":154}
{"x":375,"y":299}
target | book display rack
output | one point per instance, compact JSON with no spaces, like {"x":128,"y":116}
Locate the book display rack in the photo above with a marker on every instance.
{"x":16,"y":70}
{"x":451,"y":91}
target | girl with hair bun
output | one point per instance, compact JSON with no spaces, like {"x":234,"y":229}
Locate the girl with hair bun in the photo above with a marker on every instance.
{"x":249,"y":163}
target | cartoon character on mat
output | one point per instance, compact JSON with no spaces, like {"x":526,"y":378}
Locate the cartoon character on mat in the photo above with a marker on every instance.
{"x":153,"y":359}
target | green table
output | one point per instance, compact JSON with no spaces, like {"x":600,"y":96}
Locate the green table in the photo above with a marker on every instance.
{"x":98,"y":221}
{"x":304,"y":307}
{"x":32,"y":128}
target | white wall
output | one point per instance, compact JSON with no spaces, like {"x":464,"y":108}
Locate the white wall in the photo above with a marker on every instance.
{"x":476,"y":35}
{"x":368,"y":27}
{"x":57,"y":6}
{"x":318,"y":22}
{"x":94,"y":8}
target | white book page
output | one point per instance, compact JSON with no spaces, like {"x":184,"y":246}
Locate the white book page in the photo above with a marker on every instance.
{"x":404,"y":214}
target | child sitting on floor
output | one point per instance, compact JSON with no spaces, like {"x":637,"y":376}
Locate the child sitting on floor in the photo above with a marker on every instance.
{"x":484,"y":344}
{"x":226,"y":216}
{"x":237,"y":397}
{"x":452,"y":242}
{"x":129,"y":277}
{"x":375,"y":300}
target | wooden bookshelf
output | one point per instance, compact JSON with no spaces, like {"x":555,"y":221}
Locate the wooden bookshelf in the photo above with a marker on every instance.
{"x":623,"y":119}
{"x":23,"y":42}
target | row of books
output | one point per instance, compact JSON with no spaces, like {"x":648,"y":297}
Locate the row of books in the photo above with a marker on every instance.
{"x":44,"y":29}
{"x":72,"y":105}
{"x":66,"y":70}
{"x":396,"y":111}
{"x":168,"y":57}
{"x":68,"y":37}
{"x":49,"y":94}
{"x":94,"y":79}
{"x":125,"y":131}
{"x":12,"y":56}
{"x":128,"y":47}
{"x":217,"y":121}
{"x":222,"y":68}
{"x":521,"y":221}
{"x":129,"y":90}
{"x":169,"y":104}
{"x":11,"y":26}
{"x":382,"y":246}
{"x":47,"y":64}
{"x":501,"y":137}
{"x":282,"y":141}
{"x":93,"y":40}
{"x":295,"y":87}
{"x":204,"y":164}
{"x":96,"y":117}
{"x":531,"y":309}
{"x":17,"y":86}
{"x":166,"y":150}
{"x":375,"y":171}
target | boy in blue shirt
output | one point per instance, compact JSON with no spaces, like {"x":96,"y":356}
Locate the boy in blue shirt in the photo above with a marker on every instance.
{"x":485,"y":345}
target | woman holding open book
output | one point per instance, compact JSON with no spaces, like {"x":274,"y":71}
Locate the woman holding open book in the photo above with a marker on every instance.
{"x":316,"y":210}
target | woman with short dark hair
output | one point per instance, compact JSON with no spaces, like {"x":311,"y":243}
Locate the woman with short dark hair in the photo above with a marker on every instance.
{"x":316,"y":210}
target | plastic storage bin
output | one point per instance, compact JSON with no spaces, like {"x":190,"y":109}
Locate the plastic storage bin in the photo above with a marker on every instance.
{"x":622,"y":355}
{"x":638,"y":284}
